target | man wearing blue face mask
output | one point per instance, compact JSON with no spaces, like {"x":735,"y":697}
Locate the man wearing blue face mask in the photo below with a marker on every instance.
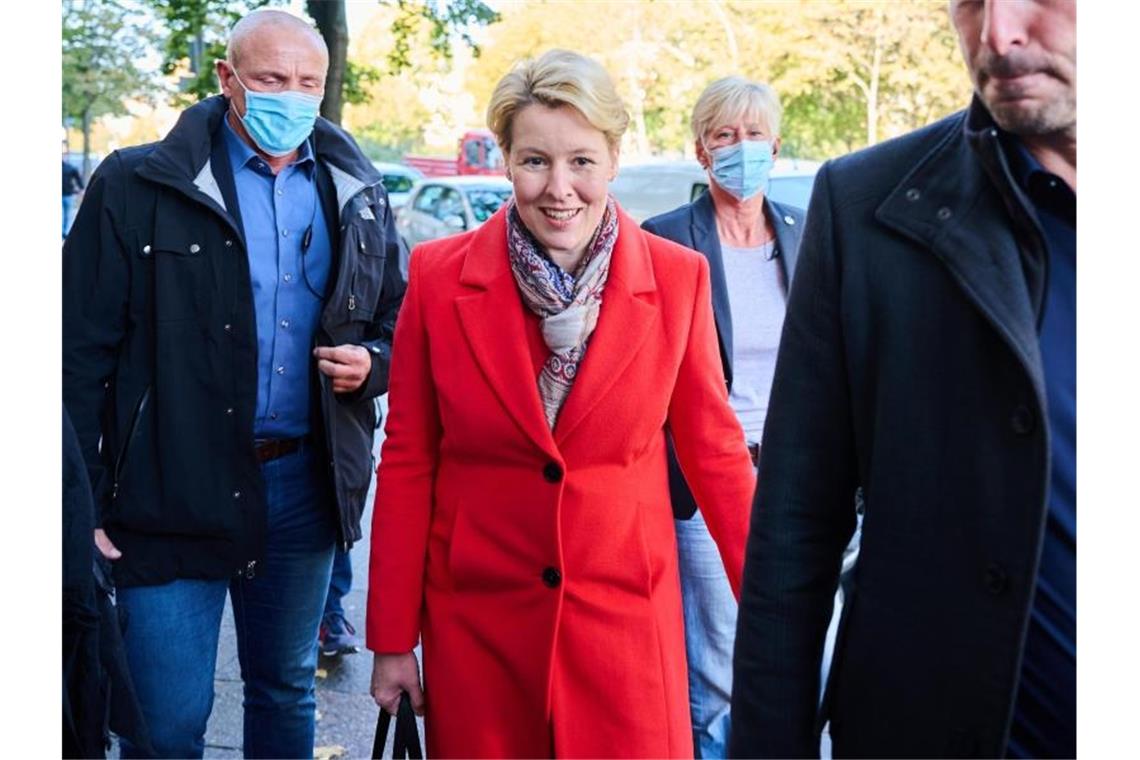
{"x":230,"y":298}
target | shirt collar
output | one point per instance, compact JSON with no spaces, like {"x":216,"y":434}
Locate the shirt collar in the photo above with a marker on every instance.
{"x":1045,"y":189}
{"x":1022,"y":163}
{"x":241,"y":153}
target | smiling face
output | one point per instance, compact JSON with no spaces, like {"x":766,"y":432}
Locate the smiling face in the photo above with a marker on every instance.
{"x":1022,"y":57}
{"x":560,"y":166}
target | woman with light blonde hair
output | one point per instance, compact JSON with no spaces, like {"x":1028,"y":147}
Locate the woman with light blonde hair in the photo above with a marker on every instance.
{"x":750,"y":243}
{"x":521,"y":529}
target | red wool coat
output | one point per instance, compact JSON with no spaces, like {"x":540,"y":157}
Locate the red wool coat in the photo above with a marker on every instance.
{"x":539,"y":566}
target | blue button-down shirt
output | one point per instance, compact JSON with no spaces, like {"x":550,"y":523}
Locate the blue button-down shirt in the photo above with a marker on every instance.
{"x":1045,"y":714}
{"x":289,"y":279}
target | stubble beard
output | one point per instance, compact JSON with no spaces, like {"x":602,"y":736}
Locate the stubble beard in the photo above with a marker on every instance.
{"x":1028,"y":117}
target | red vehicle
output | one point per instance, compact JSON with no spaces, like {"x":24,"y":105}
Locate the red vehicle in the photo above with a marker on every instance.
{"x":478,"y":153}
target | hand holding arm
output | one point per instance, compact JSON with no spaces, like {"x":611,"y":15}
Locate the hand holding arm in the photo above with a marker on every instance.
{"x":347,"y":365}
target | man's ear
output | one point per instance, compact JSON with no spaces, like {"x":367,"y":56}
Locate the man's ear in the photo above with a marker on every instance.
{"x":225,"y":77}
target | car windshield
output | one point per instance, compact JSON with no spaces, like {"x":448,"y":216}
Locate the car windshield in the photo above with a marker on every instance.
{"x":397,"y":183}
{"x":486,"y":201}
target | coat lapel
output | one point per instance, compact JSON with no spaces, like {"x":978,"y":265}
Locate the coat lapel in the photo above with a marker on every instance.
{"x":627,"y":314}
{"x":950,"y":205}
{"x":492,"y":320}
{"x":706,"y":240}
{"x":787,"y":239}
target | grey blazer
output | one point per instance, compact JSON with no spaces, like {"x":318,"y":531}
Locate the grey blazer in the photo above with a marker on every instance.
{"x":694,"y":225}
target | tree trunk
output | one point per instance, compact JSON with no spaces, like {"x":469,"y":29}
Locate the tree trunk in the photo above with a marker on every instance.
{"x":86,"y":145}
{"x":873,"y":80}
{"x":639,"y":135}
{"x":330,"y":18}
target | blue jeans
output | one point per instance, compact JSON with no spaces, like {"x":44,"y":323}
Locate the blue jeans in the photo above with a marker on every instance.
{"x":68,"y":205}
{"x":170,"y":632}
{"x":339,"y":584}
{"x":710,"y":630}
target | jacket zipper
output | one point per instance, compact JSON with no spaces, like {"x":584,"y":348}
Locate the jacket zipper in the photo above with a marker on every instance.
{"x":125,"y":445}
{"x":352,"y":290}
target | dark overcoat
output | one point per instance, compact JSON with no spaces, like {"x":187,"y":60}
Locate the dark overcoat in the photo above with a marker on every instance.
{"x":909,"y":365}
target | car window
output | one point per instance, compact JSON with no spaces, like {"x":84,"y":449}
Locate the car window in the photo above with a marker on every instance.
{"x":793,"y":191}
{"x":486,"y":201}
{"x":450,"y":204}
{"x":397,"y":183}
{"x":428,"y":198}
{"x":471,"y":149}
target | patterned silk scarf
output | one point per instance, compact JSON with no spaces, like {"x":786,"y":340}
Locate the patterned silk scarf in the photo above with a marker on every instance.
{"x":567,"y":303}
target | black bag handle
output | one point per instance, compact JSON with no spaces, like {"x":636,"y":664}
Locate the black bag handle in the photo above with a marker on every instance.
{"x":406,"y":743}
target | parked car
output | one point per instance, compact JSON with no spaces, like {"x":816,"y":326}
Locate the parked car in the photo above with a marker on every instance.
{"x":648,"y":189}
{"x":398,"y":181}
{"x":443,"y":206}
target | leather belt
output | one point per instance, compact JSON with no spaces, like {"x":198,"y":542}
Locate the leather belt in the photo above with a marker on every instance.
{"x":754,"y":452}
{"x":274,"y":448}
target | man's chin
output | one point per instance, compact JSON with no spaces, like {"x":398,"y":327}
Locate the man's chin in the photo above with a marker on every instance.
{"x":1028,"y":117}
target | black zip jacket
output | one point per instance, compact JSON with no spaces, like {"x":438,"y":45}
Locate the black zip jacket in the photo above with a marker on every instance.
{"x":160,"y":347}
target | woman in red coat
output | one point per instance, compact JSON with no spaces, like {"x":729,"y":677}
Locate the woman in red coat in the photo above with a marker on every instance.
{"x":522,"y":526}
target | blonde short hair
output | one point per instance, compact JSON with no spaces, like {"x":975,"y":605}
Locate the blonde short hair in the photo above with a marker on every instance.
{"x":557,"y":78}
{"x":730,"y":98}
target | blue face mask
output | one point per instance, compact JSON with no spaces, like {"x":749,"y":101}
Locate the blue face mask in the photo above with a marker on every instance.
{"x":278,"y":122}
{"x":742,"y":169}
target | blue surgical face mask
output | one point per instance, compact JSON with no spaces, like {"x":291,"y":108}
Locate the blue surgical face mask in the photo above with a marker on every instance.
{"x":741,"y":169}
{"x":278,"y":122}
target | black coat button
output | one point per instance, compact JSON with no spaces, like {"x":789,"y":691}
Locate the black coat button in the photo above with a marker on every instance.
{"x":1023,"y":421}
{"x":552,"y":472}
{"x":551,"y":577}
{"x":996,"y":579}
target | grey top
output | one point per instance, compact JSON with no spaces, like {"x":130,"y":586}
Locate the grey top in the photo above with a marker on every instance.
{"x":756,"y":296}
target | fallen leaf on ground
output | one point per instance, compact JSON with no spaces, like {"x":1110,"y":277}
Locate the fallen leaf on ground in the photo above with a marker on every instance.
{"x":332,"y":752}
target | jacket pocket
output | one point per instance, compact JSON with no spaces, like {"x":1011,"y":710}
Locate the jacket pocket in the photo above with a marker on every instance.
{"x":183,"y":279}
{"x":366,"y":247}
{"x":182,"y":245}
{"x":130,"y":433}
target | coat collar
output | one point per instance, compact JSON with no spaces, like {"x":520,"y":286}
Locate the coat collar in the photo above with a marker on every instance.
{"x":183,"y":159}
{"x":493,"y":320}
{"x":787,"y":237}
{"x":960,"y":202}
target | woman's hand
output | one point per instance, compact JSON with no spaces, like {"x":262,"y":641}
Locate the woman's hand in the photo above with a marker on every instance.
{"x":395,"y":673}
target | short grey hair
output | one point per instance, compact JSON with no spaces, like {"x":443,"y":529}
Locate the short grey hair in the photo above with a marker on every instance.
{"x":730,"y":98}
{"x":259,"y":19}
